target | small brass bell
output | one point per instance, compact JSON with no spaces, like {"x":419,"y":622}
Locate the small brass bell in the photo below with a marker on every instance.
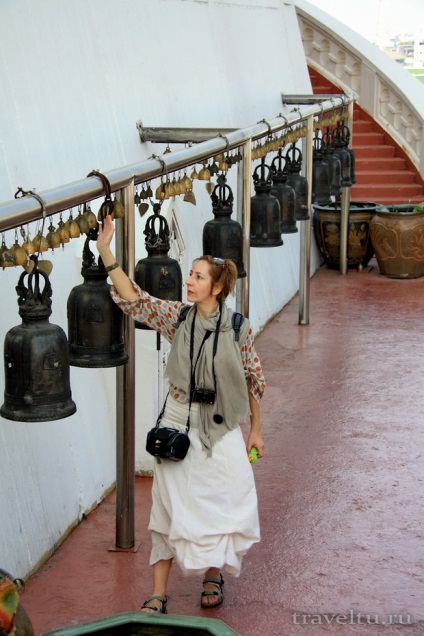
{"x":118,"y":209}
{"x":160,"y":193}
{"x":73,"y":227}
{"x":40,"y":243}
{"x":188,"y":182}
{"x":63,"y":232}
{"x":90,"y":217}
{"x":205,"y":173}
{"x":82,"y":222}
{"x":213,"y":168}
{"x":171,"y":188}
{"x":19,"y":255}
{"x":6,"y":256}
{"x":52,"y":237}
{"x":189,"y":197}
{"x":36,"y":358}
{"x":28,"y":246}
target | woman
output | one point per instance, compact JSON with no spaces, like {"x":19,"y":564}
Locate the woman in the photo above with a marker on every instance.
{"x":204,"y":511}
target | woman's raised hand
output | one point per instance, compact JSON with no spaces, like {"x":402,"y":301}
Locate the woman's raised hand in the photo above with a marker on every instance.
{"x":120,"y":280}
{"x":106,"y":231}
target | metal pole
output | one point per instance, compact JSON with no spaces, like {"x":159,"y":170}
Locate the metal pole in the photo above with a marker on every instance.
{"x":305,"y":235}
{"x":344,"y":213}
{"x":125,"y":390}
{"x":243,"y":216}
{"x":344,"y":229}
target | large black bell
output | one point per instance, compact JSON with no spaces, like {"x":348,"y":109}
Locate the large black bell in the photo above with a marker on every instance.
{"x":297,"y":181}
{"x":285,"y":195}
{"x":333,"y":165}
{"x":95,"y":322}
{"x":222,"y":236}
{"x":265,"y":221}
{"x":36,"y":358}
{"x":320,"y":174}
{"x":341,"y":151}
{"x":158,"y":274}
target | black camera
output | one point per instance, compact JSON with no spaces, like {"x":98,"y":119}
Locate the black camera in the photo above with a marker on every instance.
{"x":204,"y":396}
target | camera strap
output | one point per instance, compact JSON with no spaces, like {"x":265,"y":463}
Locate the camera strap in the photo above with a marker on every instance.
{"x":193,"y":368}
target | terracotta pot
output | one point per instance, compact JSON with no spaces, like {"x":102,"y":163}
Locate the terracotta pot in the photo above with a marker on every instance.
{"x":397,"y":235}
{"x":326,"y":222}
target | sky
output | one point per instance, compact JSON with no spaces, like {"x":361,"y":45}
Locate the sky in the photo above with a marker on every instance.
{"x":377,"y":19}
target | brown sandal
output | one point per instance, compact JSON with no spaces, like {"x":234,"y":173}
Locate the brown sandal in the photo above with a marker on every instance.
{"x":158,"y":610}
{"x":219,"y":593}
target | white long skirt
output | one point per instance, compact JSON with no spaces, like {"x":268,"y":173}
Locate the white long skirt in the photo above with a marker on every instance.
{"x":204,"y":511}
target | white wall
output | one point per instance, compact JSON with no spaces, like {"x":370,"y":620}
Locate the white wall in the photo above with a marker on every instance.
{"x":75,"y":78}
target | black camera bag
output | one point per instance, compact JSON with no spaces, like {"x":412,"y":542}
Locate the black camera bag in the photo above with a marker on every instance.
{"x":168,"y":443}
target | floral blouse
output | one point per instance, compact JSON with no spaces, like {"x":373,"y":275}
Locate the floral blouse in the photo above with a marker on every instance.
{"x":162,"y":316}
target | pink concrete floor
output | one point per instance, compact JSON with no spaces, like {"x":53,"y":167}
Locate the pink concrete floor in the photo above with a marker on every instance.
{"x":340,"y":489}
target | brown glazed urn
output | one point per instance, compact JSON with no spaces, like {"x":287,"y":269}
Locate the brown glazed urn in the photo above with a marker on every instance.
{"x":397,"y":235}
{"x":327,"y":223}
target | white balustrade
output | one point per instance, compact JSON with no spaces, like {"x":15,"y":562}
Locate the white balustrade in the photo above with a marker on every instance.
{"x":385,"y":90}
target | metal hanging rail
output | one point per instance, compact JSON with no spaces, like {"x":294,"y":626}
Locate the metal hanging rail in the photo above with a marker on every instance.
{"x":26,"y":209}
{"x":31,"y":208}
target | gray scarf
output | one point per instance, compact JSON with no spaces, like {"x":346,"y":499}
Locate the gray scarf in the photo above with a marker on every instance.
{"x":232,"y":398}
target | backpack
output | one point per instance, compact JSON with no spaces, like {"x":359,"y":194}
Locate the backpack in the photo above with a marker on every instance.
{"x":236,"y":320}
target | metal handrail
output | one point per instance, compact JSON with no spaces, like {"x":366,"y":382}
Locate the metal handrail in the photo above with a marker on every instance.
{"x":27,"y":209}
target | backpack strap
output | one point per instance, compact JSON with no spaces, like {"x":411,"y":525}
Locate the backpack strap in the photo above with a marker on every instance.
{"x":236,"y":320}
{"x":183,"y":314}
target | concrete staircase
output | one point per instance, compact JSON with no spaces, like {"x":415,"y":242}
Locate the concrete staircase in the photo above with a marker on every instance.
{"x":383,"y":172}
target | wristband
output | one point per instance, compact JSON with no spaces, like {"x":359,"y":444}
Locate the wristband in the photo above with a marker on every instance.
{"x":109,"y":268}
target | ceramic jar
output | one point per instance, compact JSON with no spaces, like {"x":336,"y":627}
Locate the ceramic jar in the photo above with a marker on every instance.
{"x":397,"y":235}
{"x":327,"y":224}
